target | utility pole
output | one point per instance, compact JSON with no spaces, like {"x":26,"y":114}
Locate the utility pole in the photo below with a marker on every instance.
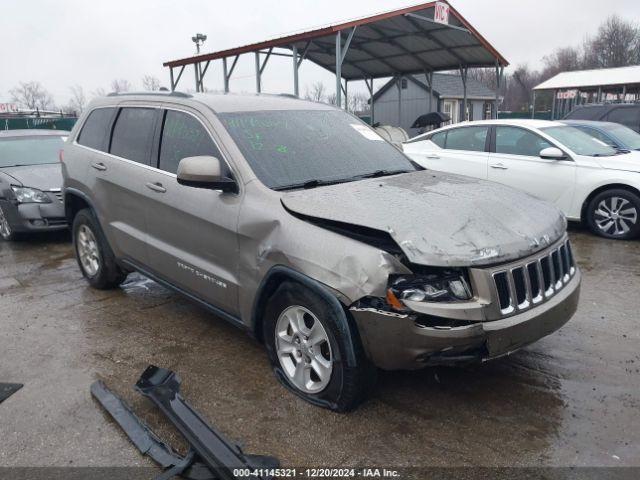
{"x":198,"y":39}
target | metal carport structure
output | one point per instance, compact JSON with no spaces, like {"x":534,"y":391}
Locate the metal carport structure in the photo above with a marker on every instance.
{"x":423,"y":38}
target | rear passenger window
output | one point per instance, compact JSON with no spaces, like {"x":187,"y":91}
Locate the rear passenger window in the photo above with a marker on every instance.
{"x":132,"y":134}
{"x":183,"y":136}
{"x":471,"y":139}
{"x":518,"y":141}
{"x":95,"y":130}
{"x":439,"y":139}
{"x":629,"y":117}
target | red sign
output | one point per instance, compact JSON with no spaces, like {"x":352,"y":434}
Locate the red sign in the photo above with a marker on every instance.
{"x":8,"y":107}
{"x":441,"y":13}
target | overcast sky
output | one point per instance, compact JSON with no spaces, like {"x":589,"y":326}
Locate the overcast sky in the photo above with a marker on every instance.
{"x":66,"y":42}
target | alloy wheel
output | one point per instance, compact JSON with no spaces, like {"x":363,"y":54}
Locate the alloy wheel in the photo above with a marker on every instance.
{"x":5,"y":228}
{"x":303,"y":349}
{"x":616,"y":216}
{"x":88,"y":251}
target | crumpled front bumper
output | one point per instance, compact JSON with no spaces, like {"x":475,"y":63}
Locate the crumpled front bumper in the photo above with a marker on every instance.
{"x":397,"y":342}
{"x":35,"y":217}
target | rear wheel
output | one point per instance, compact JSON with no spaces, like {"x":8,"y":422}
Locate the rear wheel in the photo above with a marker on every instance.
{"x":95,"y":258}
{"x":308,"y":350}
{"x":615,"y":214}
{"x":6,"y":232}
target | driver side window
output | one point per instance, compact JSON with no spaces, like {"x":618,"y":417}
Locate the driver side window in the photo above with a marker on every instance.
{"x":518,"y":141}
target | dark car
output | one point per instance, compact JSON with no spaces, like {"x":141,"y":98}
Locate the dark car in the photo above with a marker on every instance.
{"x":615,"y":135}
{"x":624,"y":114}
{"x":30,"y":182}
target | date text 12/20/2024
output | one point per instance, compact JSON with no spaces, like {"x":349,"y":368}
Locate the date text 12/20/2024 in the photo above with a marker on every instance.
{"x":318,"y":473}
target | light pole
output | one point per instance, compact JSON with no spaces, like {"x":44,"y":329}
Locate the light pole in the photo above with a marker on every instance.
{"x":198,"y":39}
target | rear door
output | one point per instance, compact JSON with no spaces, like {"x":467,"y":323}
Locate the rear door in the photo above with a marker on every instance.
{"x":464,"y":152}
{"x":192,"y":232}
{"x":515,"y":161}
{"x":118,"y":180}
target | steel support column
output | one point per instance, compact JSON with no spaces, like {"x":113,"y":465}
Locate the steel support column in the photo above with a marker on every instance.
{"x":369,"y":84}
{"x":196,"y":70}
{"x":429,"y":79}
{"x":228,"y":71}
{"x":341,"y":52}
{"x":533,"y":105}
{"x":173,"y":84}
{"x":463,"y":74}
{"x":399,"y":86}
{"x":553,"y":105}
{"x":258,"y":82}
{"x":499,"y":72}
{"x":296,"y":89}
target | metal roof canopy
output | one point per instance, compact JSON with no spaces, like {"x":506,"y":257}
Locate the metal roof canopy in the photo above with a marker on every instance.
{"x":395,"y":43}
{"x":603,"y":77}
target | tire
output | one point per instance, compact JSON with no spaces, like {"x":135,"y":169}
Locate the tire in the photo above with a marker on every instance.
{"x":615,"y":214}
{"x":6,"y":232}
{"x":345,"y":387}
{"x":95,"y":258}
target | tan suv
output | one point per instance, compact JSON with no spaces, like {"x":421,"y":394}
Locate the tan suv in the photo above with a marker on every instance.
{"x":298,"y":223}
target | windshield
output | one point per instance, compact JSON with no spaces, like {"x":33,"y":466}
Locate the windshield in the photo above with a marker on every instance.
{"x":35,"y":150}
{"x":580,"y":142}
{"x":291,"y":148}
{"x":628,"y":137}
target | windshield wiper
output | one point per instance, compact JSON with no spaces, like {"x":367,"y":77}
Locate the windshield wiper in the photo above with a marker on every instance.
{"x":382,"y":173}
{"x":311,"y":184}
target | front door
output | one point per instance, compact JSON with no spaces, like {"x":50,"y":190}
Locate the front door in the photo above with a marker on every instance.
{"x":192,"y":232}
{"x":516,"y":162}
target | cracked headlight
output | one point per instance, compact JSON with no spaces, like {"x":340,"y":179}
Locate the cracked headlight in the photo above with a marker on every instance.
{"x":447,"y":285}
{"x":30,"y":195}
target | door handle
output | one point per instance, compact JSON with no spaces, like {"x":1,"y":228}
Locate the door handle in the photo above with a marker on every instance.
{"x":99,"y":166}
{"x":433,"y":157}
{"x":499,"y":166}
{"x":156,"y":187}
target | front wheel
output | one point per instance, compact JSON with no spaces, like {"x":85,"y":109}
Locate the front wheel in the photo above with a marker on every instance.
{"x":308,"y":350}
{"x":615,"y":214}
{"x":6,"y":232}
{"x":95,"y":258}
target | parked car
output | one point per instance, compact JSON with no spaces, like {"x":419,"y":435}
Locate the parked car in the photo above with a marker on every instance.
{"x":588,"y":180}
{"x":30,"y":182}
{"x":627,"y":114}
{"x":300,"y":224}
{"x":613,"y":134}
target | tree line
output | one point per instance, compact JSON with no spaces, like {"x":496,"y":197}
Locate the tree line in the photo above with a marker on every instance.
{"x":34,"y":96}
{"x":616,"y":43}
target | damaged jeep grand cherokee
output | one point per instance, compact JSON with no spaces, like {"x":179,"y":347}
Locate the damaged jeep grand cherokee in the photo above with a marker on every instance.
{"x":298,"y":223}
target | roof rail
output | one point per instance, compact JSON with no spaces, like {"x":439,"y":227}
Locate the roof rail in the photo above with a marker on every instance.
{"x":166,"y":94}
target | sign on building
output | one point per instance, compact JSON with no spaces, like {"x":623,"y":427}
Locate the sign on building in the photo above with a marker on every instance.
{"x":441,"y":13}
{"x":8,"y":108}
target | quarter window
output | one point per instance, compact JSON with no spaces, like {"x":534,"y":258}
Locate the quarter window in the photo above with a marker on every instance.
{"x":95,"y":130}
{"x":183,"y":136}
{"x":471,"y":139}
{"x":132,"y":134}
{"x":439,"y":138}
{"x":518,"y":141}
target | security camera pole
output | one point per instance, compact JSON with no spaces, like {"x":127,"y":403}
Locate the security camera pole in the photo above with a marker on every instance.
{"x":198,"y":39}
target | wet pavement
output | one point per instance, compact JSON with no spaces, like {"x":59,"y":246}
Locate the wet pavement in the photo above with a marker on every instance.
{"x":571,"y":399}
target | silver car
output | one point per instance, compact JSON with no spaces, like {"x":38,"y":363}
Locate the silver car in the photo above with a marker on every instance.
{"x":30,"y":182}
{"x":295,"y":221}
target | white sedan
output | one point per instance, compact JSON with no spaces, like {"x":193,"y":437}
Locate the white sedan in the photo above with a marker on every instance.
{"x":587,"y":179}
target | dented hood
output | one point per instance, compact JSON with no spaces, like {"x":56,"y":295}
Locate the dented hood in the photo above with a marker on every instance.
{"x":439,"y":219}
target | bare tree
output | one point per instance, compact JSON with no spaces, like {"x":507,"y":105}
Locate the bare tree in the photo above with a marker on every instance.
{"x":32,"y":95}
{"x":78,"y":100}
{"x":120,"y":85}
{"x":316,"y":93}
{"x":150,"y":83}
{"x":358,"y":102}
{"x":99,"y":92}
{"x":617,"y":44}
{"x":564,"y":59}
{"x":332,"y":99}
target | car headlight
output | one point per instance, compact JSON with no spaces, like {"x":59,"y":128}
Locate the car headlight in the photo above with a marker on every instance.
{"x":30,"y":195}
{"x":446,"y":285}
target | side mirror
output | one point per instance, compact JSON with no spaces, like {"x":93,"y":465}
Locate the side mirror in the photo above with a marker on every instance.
{"x":204,"y":172}
{"x":552,"y":153}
